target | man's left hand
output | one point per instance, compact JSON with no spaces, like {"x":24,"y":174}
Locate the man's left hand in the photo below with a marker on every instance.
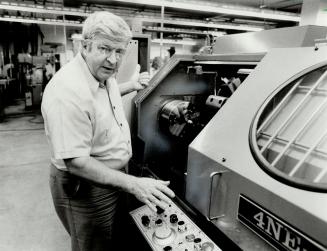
{"x":140,"y":80}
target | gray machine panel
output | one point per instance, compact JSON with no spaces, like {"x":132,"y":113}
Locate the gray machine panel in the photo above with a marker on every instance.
{"x":262,"y":41}
{"x":221,"y":165}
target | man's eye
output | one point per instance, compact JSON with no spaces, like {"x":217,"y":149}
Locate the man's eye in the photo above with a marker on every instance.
{"x":121,"y":52}
{"x":104,"y":49}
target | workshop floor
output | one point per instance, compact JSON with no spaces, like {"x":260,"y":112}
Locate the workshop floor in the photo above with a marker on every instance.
{"x":28,"y":221}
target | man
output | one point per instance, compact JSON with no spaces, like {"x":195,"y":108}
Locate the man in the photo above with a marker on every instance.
{"x":171,"y":51}
{"x":49,"y":70}
{"x":90,"y":138}
{"x":156,"y":65}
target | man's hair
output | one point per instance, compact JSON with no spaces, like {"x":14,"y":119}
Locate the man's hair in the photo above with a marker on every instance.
{"x":157,"y":63}
{"x":104,"y":24}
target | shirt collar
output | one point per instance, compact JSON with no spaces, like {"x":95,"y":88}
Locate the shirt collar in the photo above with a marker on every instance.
{"x":91,"y":80}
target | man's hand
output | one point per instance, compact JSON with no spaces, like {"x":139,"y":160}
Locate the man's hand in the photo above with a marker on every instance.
{"x":140,"y":80}
{"x":137,"y":82}
{"x":152,"y":192}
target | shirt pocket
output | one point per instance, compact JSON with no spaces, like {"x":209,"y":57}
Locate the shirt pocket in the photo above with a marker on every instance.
{"x":105,"y":136}
{"x":104,"y":130}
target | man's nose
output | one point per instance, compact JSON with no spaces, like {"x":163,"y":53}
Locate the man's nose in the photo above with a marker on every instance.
{"x":112,"y":58}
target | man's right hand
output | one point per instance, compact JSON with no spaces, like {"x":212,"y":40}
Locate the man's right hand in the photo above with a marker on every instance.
{"x":152,"y":192}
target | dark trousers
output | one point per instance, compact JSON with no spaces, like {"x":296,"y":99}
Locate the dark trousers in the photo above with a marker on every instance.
{"x":86,"y":211}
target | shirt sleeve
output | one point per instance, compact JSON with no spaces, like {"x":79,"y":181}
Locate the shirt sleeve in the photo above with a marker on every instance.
{"x":69,"y":130}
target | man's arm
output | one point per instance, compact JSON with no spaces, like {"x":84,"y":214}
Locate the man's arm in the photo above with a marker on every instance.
{"x":137,"y":82}
{"x":149,"y":191}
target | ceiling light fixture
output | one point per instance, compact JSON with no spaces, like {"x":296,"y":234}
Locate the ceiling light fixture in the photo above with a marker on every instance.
{"x":187,"y":22}
{"x":227,"y":10}
{"x":40,"y":21}
{"x":75,"y":12}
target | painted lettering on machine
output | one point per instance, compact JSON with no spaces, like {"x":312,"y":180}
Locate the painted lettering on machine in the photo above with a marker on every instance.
{"x":274,"y":230}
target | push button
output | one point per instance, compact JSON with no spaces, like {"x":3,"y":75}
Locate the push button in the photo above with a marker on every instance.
{"x":158,"y":222}
{"x":181,"y":226}
{"x":190,"y":237}
{"x":197,"y":240}
{"x":207,"y":246}
{"x":160,"y":210}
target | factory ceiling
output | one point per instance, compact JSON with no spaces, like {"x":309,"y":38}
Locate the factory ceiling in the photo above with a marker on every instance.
{"x":199,"y":17}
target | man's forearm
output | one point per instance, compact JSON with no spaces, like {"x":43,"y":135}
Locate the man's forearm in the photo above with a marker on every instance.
{"x":149,"y":191}
{"x":93,"y":170}
{"x":126,"y":88}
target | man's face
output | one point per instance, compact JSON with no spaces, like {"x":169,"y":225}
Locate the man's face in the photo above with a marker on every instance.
{"x":103,"y":58}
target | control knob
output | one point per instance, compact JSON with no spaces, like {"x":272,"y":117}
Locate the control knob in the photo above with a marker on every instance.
{"x":173,"y":218}
{"x":167,"y":248}
{"x":197,"y":244}
{"x":145,"y":220}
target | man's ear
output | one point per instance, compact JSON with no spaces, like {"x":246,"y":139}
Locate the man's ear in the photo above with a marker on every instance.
{"x":84,"y":44}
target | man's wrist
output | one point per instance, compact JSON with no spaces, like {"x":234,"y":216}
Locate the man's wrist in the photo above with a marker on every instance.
{"x":130,"y":183}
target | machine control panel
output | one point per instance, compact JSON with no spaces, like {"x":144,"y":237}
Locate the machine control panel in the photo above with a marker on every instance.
{"x":171,"y":230}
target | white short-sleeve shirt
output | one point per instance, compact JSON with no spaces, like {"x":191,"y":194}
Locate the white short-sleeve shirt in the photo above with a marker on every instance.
{"x":85,"y":118}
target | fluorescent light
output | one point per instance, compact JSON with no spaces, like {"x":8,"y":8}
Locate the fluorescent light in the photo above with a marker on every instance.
{"x":187,"y":22}
{"x":179,"y":5}
{"x":207,"y":8}
{"x":65,"y":11}
{"x":229,"y":10}
{"x":42,"y":9}
{"x":39,"y":21}
{"x":170,"y":41}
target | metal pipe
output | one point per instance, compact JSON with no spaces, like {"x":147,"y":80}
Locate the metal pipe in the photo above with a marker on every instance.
{"x":299,"y":164}
{"x":304,"y":126}
{"x":279,"y":106}
{"x":296,"y":144}
{"x":161,"y":27}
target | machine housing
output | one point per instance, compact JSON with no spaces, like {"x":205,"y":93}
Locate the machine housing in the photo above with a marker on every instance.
{"x":195,"y":126}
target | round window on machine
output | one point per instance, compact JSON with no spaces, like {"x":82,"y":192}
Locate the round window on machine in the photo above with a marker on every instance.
{"x":288,"y":136}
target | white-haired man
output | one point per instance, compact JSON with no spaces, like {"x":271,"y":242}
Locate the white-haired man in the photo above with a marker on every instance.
{"x":90,"y":137}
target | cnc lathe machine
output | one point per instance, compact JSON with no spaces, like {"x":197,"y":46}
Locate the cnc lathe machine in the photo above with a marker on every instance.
{"x":243,"y":139}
